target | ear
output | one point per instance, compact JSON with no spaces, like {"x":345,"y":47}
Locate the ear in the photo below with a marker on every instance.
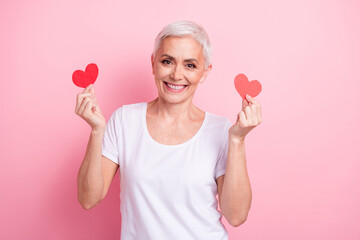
{"x":206,"y":72}
{"x":152,"y":63}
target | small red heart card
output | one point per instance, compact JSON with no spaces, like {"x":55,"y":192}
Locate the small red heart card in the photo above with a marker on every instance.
{"x":243,"y":86}
{"x":84,"y":79}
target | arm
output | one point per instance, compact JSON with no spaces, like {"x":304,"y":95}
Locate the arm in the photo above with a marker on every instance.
{"x":95,"y":174}
{"x":96,"y":171}
{"x":234,"y":186}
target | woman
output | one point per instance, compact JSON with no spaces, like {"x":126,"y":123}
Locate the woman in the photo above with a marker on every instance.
{"x":172,"y":155}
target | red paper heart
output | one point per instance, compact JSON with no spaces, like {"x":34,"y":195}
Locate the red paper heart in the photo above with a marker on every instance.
{"x":84,"y":79}
{"x":243,"y":86}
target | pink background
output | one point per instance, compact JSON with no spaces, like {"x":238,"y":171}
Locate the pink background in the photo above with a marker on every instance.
{"x":303,"y":160}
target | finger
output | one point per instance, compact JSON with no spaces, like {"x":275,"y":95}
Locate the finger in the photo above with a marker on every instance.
{"x":250,"y":99}
{"x":87,"y":89}
{"x":97,"y":109}
{"x":88,"y":109}
{"x":242,"y":118}
{"x":253,"y":101}
{"x":254,"y":114}
{"x":258,"y":111}
{"x":92,"y":91}
{"x":83,"y":105}
{"x":244,"y":104}
{"x":248,"y":113}
{"x":79,"y":100}
{"x":259,"y":114}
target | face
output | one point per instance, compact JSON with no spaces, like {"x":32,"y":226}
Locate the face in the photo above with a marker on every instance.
{"x":178,"y":68}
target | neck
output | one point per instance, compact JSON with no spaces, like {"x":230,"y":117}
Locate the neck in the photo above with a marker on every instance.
{"x":173,"y":111}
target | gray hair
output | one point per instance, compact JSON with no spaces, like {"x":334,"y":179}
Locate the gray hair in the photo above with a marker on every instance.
{"x":183,"y":28}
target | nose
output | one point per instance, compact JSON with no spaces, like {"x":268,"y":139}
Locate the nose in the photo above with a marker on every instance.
{"x":177,"y":73}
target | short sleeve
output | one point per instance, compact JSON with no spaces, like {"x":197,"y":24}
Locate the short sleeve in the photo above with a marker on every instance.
{"x":110,"y":143}
{"x":221,"y":161}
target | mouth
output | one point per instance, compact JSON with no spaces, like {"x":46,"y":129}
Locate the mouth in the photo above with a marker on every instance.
{"x":175,"y":87}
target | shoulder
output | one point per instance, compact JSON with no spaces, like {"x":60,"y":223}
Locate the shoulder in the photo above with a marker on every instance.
{"x":134,"y":107}
{"x":217,"y":126}
{"x":129,"y":108}
{"x":218,"y":120}
{"x":129,"y":114}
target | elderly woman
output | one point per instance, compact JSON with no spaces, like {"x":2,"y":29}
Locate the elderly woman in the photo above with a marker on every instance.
{"x":172,"y":155}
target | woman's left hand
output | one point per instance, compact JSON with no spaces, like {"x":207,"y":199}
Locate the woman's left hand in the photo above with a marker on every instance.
{"x":248,"y":118}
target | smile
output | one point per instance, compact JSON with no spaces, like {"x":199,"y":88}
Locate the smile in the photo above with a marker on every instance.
{"x":175,"y":88}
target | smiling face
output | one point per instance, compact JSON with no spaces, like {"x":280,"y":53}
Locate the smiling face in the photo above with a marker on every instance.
{"x":178,"y":68}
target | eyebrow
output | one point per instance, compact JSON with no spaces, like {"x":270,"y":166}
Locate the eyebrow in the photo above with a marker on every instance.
{"x":186,"y":60}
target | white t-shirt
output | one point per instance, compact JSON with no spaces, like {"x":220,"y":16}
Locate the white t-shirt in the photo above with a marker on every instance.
{"x":168,"y":192}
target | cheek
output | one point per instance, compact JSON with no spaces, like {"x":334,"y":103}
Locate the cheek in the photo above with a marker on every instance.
{"x":161,"y":71}
{"x":194,"y":77}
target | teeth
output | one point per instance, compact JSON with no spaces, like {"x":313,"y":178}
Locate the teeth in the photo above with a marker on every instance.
{"x":174,"y":86}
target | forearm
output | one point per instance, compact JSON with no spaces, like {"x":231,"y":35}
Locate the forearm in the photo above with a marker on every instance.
{"x":90,"y":178}
{"x":236,"y":191}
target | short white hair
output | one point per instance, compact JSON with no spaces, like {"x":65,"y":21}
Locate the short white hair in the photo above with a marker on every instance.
{"x":184,"y":28}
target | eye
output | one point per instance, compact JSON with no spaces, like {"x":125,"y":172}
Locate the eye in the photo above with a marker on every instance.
{"x":190,"y":65}
{"x":166,"y":61}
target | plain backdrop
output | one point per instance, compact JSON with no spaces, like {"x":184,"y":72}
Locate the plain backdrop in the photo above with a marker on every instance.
{"x":303,"y":159}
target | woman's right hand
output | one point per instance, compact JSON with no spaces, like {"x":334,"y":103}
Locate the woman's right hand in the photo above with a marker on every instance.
{"x":88,"y":109}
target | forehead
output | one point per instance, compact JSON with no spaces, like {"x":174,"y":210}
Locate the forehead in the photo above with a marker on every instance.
{"x":181,"y":47}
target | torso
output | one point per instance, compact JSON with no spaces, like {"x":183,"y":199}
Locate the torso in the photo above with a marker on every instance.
{"x":173,"y":133}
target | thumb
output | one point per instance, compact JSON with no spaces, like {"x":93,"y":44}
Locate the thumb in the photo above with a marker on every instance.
{"x":92,"y":91}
